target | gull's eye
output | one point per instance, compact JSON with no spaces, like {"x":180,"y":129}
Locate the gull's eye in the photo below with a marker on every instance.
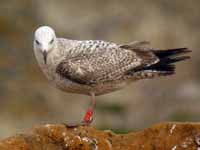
{"x":51,"y":41}
{"x":37,"y":42}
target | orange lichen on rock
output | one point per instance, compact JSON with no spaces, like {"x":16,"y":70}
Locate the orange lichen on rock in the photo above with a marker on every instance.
{"x":170,"y":136}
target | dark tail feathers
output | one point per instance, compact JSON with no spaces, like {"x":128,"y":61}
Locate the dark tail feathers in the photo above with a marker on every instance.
{"x":167,"y":59}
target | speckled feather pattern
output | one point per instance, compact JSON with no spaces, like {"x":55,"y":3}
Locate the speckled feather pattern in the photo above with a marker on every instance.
{"x":98,"y":67}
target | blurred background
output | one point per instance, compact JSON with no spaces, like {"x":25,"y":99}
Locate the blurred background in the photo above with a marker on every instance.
{"x":26,"y":97}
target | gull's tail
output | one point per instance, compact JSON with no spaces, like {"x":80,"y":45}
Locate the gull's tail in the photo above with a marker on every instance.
{"x":166,"y":64}
{"x":167,"y":58}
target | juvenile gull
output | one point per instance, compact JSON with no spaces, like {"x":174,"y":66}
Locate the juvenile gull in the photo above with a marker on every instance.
{"x":94,"y":67}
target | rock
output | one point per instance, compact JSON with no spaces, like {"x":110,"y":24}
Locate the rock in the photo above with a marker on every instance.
{"x":169,"y":136}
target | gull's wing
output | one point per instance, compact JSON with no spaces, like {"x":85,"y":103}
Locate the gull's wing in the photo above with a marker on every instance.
{"x":99,"y":61}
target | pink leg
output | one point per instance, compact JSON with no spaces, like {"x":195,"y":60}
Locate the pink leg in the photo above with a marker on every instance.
{"x":89,"y":113}
{"x":87,"y":120}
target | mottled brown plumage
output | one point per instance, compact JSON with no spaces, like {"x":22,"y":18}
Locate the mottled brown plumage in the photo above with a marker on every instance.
{"x":118,"y":62}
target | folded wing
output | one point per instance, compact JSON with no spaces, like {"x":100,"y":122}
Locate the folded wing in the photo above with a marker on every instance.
{"x":107,"y":62}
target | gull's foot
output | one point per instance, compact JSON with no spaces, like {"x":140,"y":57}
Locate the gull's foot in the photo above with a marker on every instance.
{"x":87,"y":120}
{"x":71,"y":125}
{"x":75,"y":125}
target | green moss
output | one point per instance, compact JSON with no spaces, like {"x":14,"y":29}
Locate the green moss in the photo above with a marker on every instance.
{"x":117,"y":131}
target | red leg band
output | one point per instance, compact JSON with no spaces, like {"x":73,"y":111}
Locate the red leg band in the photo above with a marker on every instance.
{"x":88,"y":115}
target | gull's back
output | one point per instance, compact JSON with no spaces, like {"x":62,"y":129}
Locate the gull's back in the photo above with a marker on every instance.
{"x":96,"y":66}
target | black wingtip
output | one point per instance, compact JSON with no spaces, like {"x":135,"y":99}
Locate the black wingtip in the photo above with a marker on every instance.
{"x":171,"y":60}
{"x":167,"y":58}
{"x":171,"y":52}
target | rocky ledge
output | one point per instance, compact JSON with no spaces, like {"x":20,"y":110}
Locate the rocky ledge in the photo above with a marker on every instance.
{"x":163,"y":136}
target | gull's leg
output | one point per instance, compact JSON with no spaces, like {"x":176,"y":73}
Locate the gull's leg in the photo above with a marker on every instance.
{"x":89,"y":113}
{"x":87,"y":120}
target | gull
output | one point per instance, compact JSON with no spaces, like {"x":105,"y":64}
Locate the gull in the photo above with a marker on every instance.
{"x":95,"y":67}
